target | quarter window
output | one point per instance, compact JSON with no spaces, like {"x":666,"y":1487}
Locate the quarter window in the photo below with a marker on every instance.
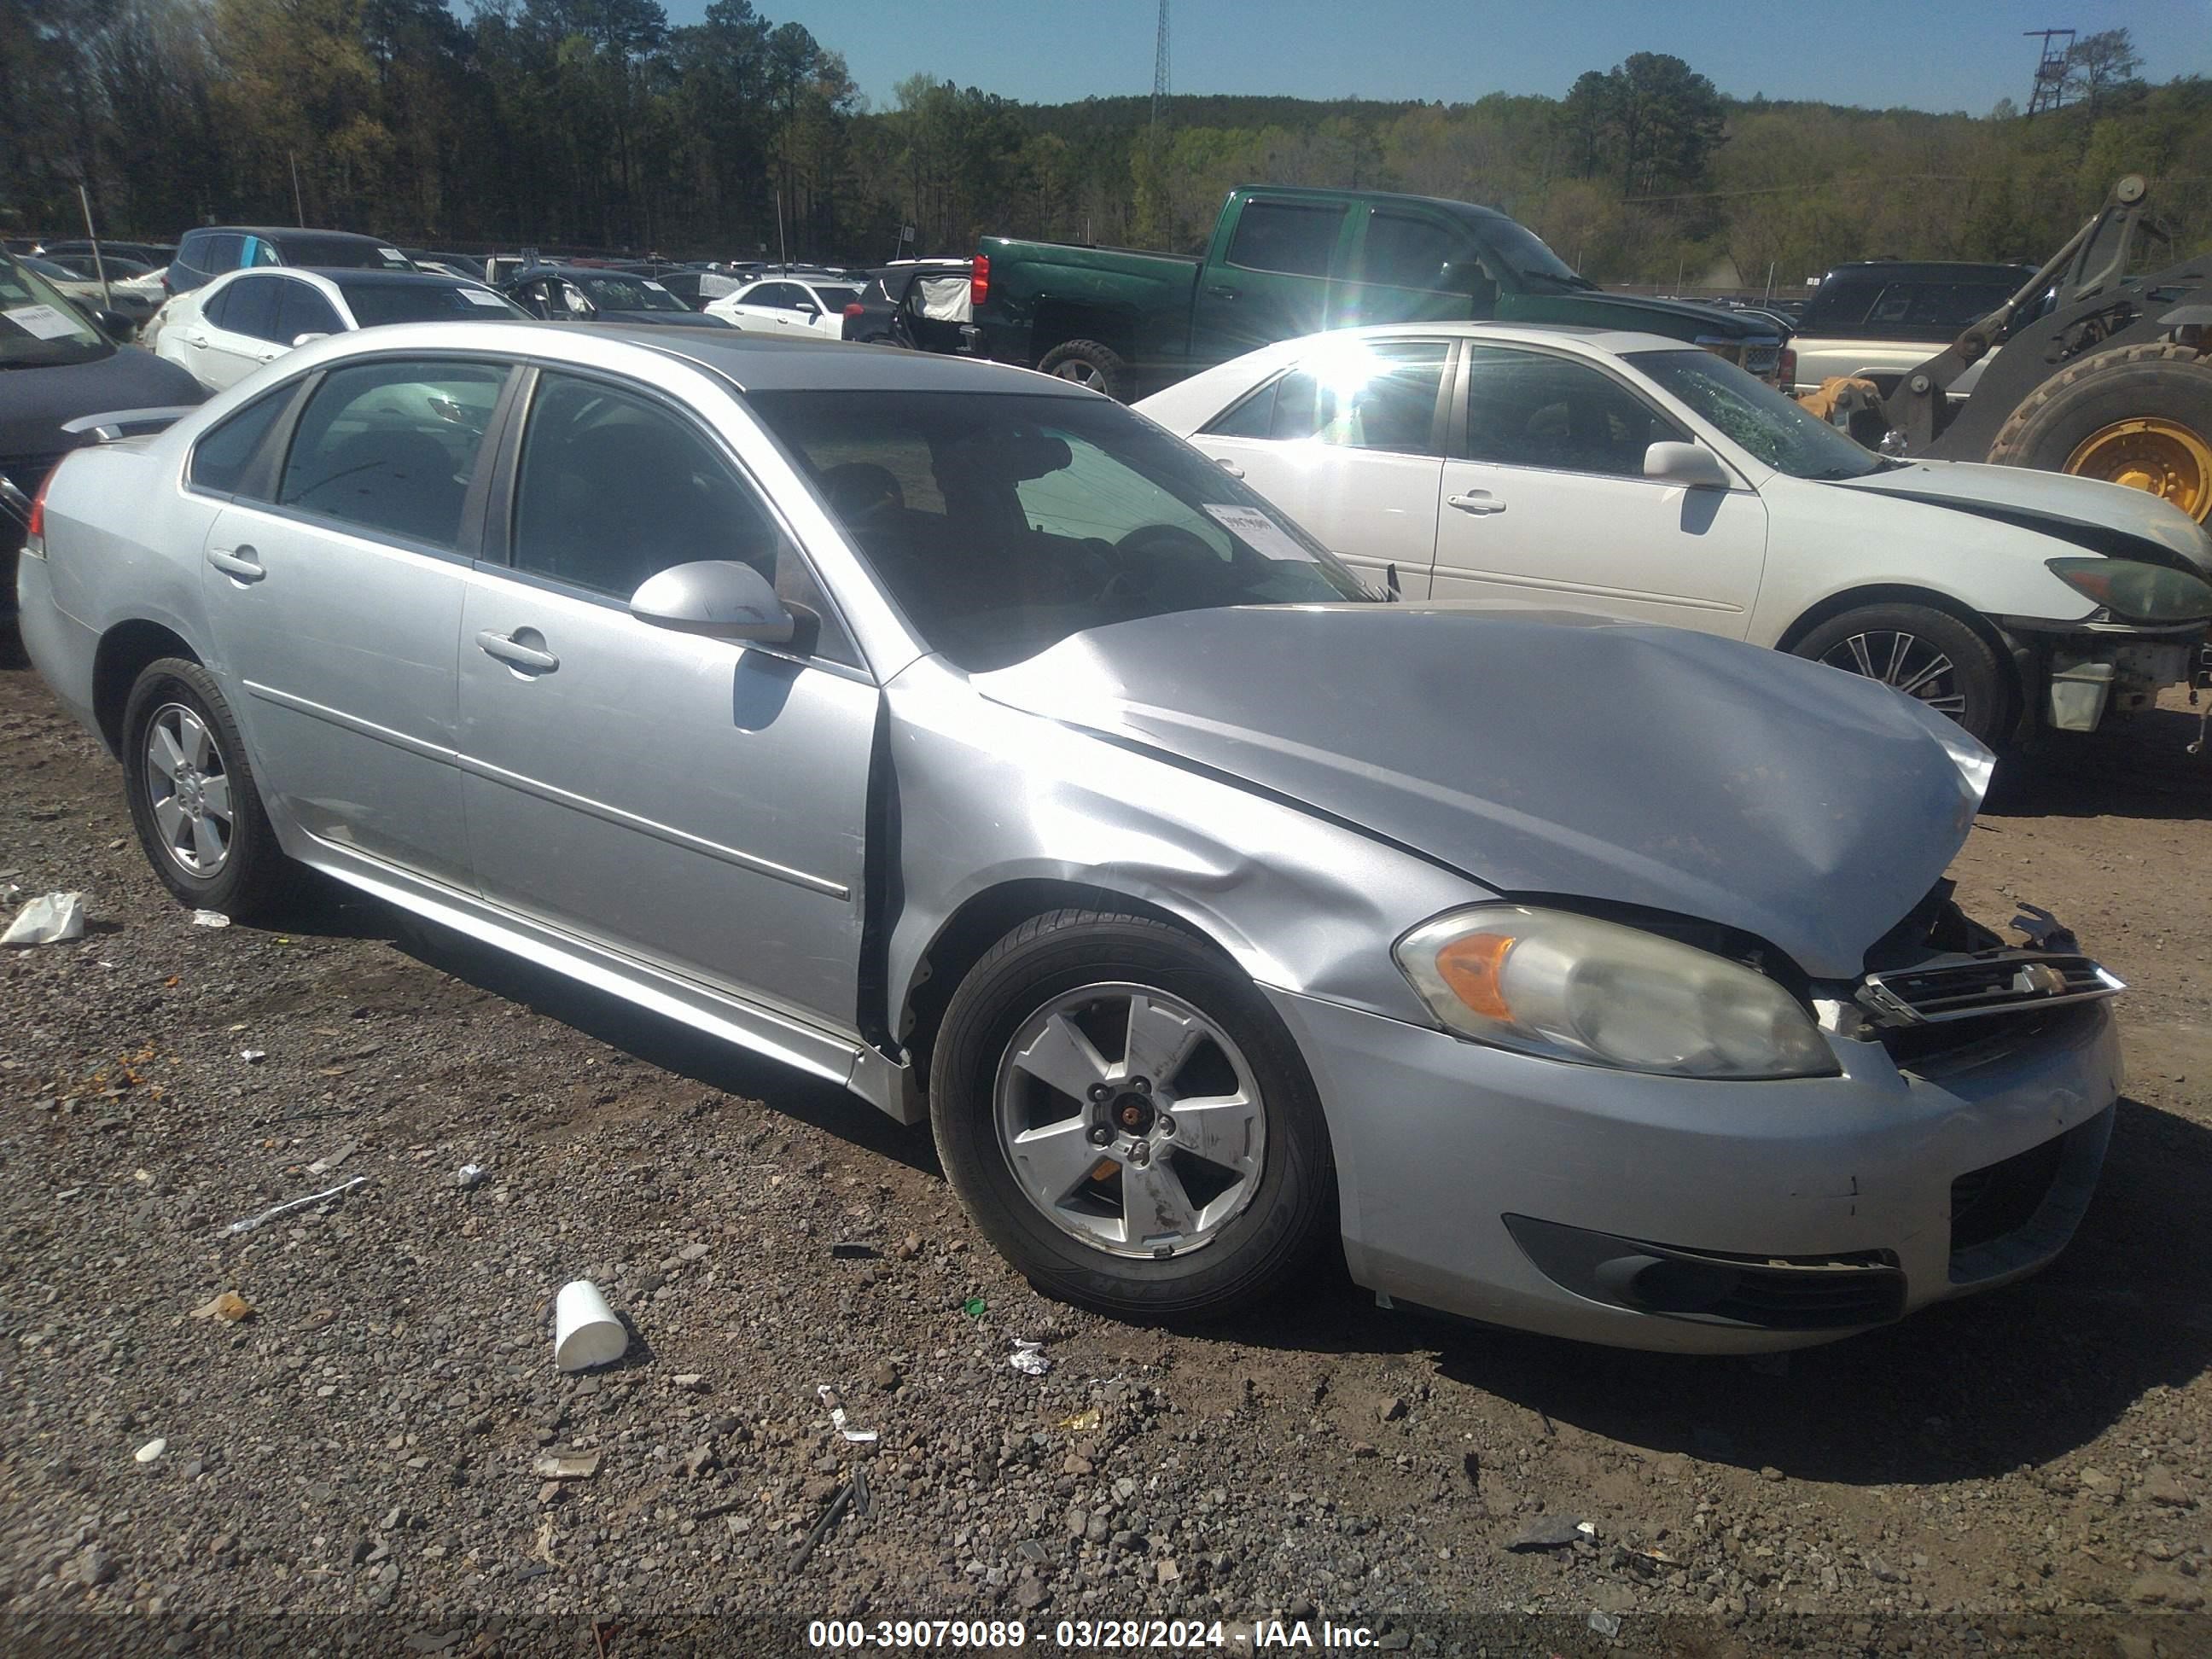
{"x":1353,"y":396}
{"x":391,"y":447}
{"x":1297,"y":237}
{"x":614,"y":487}
{"x":1531,"y":409}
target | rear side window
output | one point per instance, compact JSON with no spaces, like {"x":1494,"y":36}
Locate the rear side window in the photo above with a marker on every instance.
{"x":1297,"y":237}
{"x":304,"y":311}
{"x":221,"y":458}
{"x":251,"y":307}
{"x":391,"y":447}
{"x":1382,"y":397}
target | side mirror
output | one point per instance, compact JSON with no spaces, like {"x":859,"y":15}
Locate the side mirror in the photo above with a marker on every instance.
{"x":310,"y":337}
{"x":718,"y":598}
{"x":1690,"y":465}
{"x":116,"y":326}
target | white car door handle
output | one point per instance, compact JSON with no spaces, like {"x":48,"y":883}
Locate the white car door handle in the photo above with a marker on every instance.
{"x":515,"y":654}
{"x":1475,"y":501}
{"x":240,"y":563}
{"x":188,"y":338}
{"x":1228,"y":467}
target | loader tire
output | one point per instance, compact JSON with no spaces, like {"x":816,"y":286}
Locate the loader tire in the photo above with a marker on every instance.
{"x":2138,"y":415}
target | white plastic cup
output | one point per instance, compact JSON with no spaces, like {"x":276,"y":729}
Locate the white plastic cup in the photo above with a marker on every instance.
{"x":585,"y":1332}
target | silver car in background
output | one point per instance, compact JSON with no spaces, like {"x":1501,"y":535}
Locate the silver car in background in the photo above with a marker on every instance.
{"x":959,"y":736}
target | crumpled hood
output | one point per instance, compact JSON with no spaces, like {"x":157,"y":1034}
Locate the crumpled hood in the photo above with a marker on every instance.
{"x":2093,"y":515}
{"x":1554,"y":754}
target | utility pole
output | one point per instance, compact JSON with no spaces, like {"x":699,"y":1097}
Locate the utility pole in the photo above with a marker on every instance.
{"x":1160,"y":69}
{"x":2050,"y":70}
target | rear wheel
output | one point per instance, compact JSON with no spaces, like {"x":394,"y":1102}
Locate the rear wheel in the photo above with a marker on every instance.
{"x":1088,"y":363}
{"x":1920,"y":651}
{"x":1128,"y":1120}
{"x":193,"y":799}
{"x":2136,"y":414}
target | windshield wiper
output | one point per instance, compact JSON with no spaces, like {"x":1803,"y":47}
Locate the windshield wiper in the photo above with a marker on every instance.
{"x":1577,"y":284}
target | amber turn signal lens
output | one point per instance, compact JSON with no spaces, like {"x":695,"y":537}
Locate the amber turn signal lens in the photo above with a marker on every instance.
{"x":1471,"y":965}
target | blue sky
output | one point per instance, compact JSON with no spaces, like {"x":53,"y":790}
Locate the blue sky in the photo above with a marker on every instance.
{"x":1926,"y":54}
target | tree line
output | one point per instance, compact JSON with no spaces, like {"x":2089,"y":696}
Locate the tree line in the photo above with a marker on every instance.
{"x":598,"y":122}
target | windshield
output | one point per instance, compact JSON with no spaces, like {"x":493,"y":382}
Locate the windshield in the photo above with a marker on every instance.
{"x":629,"y":294}
{"x":329,"y":253}
{"x":1753,"y":413}
{"x":1001,"y":524}
{"x":1523,"y":252}
{"x":373,"y":303}
{"x":39,"y":329}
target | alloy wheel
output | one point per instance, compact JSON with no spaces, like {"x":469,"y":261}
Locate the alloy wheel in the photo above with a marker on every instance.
{"x":1905,"y":661}
{"x":188,"y":786}
{"x":1084,"y":375}
{"x":1130,"y":1120}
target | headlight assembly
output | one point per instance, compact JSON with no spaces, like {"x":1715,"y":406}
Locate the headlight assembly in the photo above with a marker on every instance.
{"x":2136,"y":591}
{"x":1573,"y":987}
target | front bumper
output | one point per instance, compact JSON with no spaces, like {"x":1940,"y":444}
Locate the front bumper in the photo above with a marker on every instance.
{"x":1461,"y":1168}
{"x":2077,"y":675}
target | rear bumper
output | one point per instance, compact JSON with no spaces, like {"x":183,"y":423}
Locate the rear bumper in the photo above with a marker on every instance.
{"x":1656,"y":1212}
{"x":61,"y":648}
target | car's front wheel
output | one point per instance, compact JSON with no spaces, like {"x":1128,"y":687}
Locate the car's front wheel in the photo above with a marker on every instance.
{"x":193,"y":799}
{"x":1925,"y":654}
{"x":1127,"y":1120}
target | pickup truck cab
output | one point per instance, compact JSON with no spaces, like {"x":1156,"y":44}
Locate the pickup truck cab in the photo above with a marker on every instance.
{"x":1284,"y":263}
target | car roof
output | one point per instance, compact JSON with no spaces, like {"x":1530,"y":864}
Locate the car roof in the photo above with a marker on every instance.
{"x":281,"y":233}
{"x":370,"y":277}
{"x":751,"y":362}
{"x":1609,"y":340}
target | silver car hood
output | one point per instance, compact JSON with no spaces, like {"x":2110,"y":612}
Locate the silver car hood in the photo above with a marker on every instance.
{"x":2089,"y":512}
{"x":1552,"y":755}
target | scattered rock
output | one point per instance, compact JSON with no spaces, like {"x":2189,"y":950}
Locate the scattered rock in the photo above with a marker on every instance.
{"x":1550,"y":1532}
{"x":2162,"y":1587}
{"x":565,"y":1469}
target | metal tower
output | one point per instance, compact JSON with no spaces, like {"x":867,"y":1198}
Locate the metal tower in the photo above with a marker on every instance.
{"x":1160,"y":66}
{"x":2051,"y":70}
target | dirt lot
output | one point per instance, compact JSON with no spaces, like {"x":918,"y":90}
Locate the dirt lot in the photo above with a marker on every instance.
{"x":2030,"y":1472}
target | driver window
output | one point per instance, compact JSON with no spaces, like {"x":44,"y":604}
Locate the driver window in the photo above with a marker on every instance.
{"x":614,"y":487}
{"x":1531,"y":409}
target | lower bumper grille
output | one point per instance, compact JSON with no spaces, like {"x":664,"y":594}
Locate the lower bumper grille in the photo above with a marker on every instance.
{"x":2016,"y":1213}
{"x":2022,"y":979}
{"x":1771,"y":1293}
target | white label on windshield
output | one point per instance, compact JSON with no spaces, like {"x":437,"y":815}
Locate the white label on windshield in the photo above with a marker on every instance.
{"x":1257,"y":531}
{"x":655,"y":285}
{"x":393,"y":253}
{"x":40,"y":322}
{"x":477,"y":296}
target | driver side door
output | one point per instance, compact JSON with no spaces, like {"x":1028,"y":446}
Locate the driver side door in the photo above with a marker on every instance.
{"x":690,"y":803}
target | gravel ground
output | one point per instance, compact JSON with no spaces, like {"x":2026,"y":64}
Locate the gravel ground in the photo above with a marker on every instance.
{"x":2028,"y":1472}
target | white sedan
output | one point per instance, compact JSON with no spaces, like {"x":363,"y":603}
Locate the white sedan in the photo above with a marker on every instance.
{"x":796,"y":304}
{"x":225,"y":330}
{"x":1574,"y":469}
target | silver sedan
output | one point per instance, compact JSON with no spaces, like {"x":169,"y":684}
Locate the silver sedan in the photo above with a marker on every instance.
{"x":960,"y":736}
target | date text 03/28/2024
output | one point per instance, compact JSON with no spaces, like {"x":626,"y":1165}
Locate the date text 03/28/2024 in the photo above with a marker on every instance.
{"x":1088,"y":1635}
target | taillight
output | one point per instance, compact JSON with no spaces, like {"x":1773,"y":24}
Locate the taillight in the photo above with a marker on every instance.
{"x":979,"y":281}
{"x":1785,"y":368}
{"x":34,"y":534}
{"x":855,"y":312}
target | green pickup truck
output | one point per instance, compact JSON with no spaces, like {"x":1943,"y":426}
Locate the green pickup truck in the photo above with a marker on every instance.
{"x":1286,"y":262}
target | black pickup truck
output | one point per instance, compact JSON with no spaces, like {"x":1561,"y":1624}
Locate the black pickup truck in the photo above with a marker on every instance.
{"x":1286,"y":262}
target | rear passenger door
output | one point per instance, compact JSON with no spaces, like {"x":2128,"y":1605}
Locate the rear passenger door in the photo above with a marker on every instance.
{"x":1272,"y":280}
{"x":692,"y":803}
{"x":334,"y":586}
{"x":1349,"y":442}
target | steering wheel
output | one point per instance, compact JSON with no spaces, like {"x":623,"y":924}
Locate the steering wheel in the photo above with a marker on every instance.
{"x":1143,"y":553}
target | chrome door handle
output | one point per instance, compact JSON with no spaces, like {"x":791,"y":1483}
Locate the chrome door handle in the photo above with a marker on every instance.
{"x":1476,"y":501}
{"x":1228,"y":467}
{"x":240,"y":563}
{"x":1221,"y":290}
{"x":524,"y":657}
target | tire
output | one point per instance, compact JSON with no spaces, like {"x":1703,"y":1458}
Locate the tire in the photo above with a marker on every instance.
{"x":2077,"y":409}
{"x":1088,"y":363}
{"x":1232,"y":1244}
{"x":251,"y":879}
{"x":1969,"y":684}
